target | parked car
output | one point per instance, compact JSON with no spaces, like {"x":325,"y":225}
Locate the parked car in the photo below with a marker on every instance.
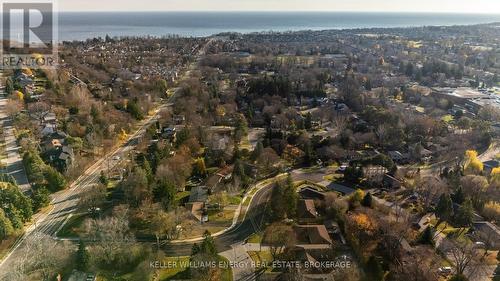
{"x":445,"y":270}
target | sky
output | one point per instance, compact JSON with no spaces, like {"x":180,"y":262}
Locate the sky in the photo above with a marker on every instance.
{"x":441,"y":6}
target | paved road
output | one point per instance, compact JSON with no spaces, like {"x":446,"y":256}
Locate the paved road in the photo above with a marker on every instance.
{"x":253,"y":222}
{"x":13,"y":161}
{"x":66,"y":202}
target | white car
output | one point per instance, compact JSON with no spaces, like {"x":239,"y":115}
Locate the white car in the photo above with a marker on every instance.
{"x":116,"y":158}
{"x":342,"y":168}
{"x":446,"y":270}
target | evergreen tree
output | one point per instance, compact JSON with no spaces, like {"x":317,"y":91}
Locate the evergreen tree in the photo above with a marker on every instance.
{"x":444,"y":209}
{"x":458,"y":197}
{"x":195,"y":249}
{"x":427,"y":236}
{"x":374,"y":269}
{"x":82,"y":257}
{"x":103,"y":179}
{"x":367,"y":200}
{"x":55,"y":181}
{"x":6,"y":228}
{"x":208,"y":244}
{"x":40,"y":198}
{"x":465,"y":213}
{"x":164,"y":192}
{"x":258,"y":150}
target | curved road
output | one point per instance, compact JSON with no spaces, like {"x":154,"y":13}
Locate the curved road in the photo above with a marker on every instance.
{"x":253,"y":222}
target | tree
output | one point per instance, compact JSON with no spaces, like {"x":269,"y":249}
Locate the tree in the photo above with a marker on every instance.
{"x":461,"y":253}
{"x":491,"y":211}
{"x":34,"y":258}
{"x":208,"y":244}
{"x":55,"y":181}
{"x":259,"y":149}
{"x":444,"y":208}
{"x":200,"y":169}
{"x":164,"y":192}
{"x":427,"y":236}
{"x":82,"y":257}
{"x":134,"y":110}
{"x":374,"y":269}
{"x":367,"y":200}
{"x":40,"y":198}
{"x":220,"y":199}
{"x":16,"y":206}
{"x":136,"y":186}
{"x":284,"y":200}
{"x":161,"y":225}
{"x":353,"y":174}
{"x":278,"y":236}
{"x":356,"y":198}
{"x":465,"y":213}
{"x":103,"y":179}
{"x":113,"y":239}
{"x":93,"y":198}
{"x":472,"y":164}
{"x":458,"y":197}
{"x":6,"y":228}
{"x":495,"y":176}
{"x":458,"y":277}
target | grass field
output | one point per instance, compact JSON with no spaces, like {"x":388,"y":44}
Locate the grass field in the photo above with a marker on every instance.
{"x":73,"y":227}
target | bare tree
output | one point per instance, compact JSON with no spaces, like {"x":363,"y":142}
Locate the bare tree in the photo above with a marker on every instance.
{"x":41,"y":257}
{"x":462,"y":254}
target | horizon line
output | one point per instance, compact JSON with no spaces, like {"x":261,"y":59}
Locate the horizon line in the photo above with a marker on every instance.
{"x":279,"y":11}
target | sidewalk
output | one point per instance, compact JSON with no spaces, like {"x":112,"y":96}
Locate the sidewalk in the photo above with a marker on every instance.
{"x":243,"y":268}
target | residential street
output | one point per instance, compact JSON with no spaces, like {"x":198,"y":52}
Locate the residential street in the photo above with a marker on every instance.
{"x":12,"y":161}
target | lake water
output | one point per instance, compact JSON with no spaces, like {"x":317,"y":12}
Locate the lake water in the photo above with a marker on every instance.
{"x":84,"y":25}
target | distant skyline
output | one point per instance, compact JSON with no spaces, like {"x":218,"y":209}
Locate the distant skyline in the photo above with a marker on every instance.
{"x":436,"y":6}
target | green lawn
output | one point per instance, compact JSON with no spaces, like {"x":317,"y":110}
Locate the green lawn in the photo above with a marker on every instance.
{"x":73,"y":227}
{"x":234,"y":200}
{"x":177,"y":269}
{"x":224,"y":217}
{"x":255,"y":238}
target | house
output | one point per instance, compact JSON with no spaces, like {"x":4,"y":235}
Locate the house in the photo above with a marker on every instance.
{"x":48,"y":129}
{"x":312,"y":236}
{"x":226,"y":172}
{"x":53,"y":140}
{"x":374,"y":173}
{"x":307,"y":211}
{"x":197,"y":201}
{"x":391,"y":182}
{"x":311,"y":193}
{"x":61,"y":157}
{"x":398,"y":157}
{"x":169,"y":133}
{"x":418,"y":152}
{"x":313,"y":245}
{"x":221,"y":175}
{"x":488,"y":232}
{"x":344,"y":190}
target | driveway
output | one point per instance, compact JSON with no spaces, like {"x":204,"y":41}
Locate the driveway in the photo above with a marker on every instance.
{"x":243,"y":266}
